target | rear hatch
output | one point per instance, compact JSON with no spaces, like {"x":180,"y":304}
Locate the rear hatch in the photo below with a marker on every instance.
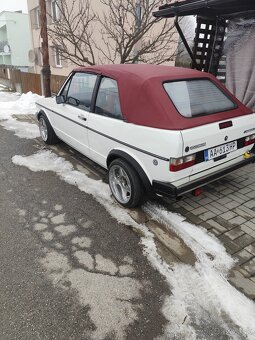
{"x":218,"y":144}
{"x":218,"y":127}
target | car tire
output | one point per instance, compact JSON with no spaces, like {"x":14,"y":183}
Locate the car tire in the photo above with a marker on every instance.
{"x":46,"y":130}
{"x":125,"y":184}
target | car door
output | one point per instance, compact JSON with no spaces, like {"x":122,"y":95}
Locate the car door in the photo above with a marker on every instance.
{"x":70,"y":118}
{"x":105,"y":125}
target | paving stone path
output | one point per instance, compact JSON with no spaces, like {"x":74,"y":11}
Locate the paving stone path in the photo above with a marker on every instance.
{"x":227,"y":209}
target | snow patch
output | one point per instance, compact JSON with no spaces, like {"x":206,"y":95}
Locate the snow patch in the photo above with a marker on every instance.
{"x":44,"y":161}
{"x":126,"y":269}
{"x":206,"y":294}
{"x":112,"y":299}
{"x":21,"y":129}
{"x":40,"y":226}
{"x":58,"y":207}
{"x":103,"y":264}
{"x":85,"y":259}
{"x":65,"y":230}
{"x":13,"y":103}
{"x":48,"y":236}
{"x":58,"y":219}
{"x":82,"y":242}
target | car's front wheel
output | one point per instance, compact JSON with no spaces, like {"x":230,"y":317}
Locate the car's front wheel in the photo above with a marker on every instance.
{"x":46,"y":131}
{"x":125,"y":183}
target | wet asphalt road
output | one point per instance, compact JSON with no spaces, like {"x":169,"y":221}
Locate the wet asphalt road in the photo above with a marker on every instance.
{"x":68,"y":270}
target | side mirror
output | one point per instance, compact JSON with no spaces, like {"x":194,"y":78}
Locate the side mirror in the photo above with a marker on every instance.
{"x":60,"y":99}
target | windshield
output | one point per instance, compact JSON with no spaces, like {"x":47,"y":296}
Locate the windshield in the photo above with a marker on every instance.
{"x":198,"y":97}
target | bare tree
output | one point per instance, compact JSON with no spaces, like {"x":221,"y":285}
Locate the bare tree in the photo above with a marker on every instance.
{"x":125,"y":31}
{"x":72,"y":31}
{"x":130,"y":30}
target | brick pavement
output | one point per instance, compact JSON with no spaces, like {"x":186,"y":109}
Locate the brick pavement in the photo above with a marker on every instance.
{"x":227,"y":209}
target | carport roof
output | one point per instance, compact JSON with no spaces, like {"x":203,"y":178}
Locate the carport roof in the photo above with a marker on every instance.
{"x":207,"y":8}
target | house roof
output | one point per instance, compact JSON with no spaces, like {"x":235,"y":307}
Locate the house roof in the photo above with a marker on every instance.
{"x":207,"y":8}
{"x":144,"y":101}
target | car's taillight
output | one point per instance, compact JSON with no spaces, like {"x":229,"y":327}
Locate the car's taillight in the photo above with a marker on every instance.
{"x":249,"y":140}
{"x":177,"y":164}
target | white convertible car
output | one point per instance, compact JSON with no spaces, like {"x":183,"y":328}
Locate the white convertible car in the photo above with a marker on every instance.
{"x":157,"y":129}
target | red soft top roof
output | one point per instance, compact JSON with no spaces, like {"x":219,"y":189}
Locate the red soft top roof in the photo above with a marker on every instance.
{"x":145,"y":102}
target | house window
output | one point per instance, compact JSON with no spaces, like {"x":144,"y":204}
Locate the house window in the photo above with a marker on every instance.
{"x":37,"y":17}
{"x":58,"y":57}
{"x":55,"y":10}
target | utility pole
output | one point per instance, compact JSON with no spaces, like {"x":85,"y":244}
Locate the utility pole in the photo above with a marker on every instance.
{"x":45,"y":72}
{"x":138,"y":22}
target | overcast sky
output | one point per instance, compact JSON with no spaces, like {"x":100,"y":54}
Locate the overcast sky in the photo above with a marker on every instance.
{"x":13,"y":5}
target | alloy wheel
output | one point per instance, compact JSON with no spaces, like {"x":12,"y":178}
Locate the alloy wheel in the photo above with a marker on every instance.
{"x":120,"y":184}
{"x":43,"y":129}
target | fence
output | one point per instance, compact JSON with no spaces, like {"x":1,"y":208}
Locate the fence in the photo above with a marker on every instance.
{"x":24,"y":82}
{"x":56,"y":82}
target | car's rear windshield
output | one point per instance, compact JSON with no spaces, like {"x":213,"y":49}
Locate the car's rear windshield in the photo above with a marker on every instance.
{"x":198,"y":97}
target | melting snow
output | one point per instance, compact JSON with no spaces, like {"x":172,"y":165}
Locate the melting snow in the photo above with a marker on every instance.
{"x":16,"y":104}
{"x":203,"y":291}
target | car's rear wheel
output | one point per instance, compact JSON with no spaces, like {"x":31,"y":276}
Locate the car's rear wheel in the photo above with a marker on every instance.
{"x":125,"y":183}
{"x":46,"y":131}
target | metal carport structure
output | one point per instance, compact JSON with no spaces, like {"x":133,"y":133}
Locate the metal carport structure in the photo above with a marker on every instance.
{"x":212,"y":16}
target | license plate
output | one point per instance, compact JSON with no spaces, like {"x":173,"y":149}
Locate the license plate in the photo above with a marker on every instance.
{"x":220,"y":150}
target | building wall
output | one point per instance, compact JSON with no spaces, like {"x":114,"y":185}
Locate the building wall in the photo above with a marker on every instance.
{"x":65,"y":69}
{"x":36,"y":57}
{"x":15,"y":29}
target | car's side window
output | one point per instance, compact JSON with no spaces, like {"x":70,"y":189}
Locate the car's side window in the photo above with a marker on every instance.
{"x":108,"y":102}
{"x":79,"y":91}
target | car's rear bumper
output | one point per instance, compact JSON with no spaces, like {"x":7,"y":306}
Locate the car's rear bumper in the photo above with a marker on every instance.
{"x":168,"y":189}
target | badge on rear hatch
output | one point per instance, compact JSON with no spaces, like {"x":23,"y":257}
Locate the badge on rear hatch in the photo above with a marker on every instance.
{"x":197,"y":146}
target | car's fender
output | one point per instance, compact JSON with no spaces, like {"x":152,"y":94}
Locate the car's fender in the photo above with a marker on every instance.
{"x":115,"y":153}
{"x":40,"y":112}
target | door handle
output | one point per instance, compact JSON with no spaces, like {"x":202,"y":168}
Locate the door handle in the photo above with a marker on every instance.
{"x":82,"y":117}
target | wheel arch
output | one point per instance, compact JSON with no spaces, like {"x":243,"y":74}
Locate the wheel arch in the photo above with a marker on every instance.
{"x":52,"y":136}
{"x":137,"y":167}
{"x":39,"y":113}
